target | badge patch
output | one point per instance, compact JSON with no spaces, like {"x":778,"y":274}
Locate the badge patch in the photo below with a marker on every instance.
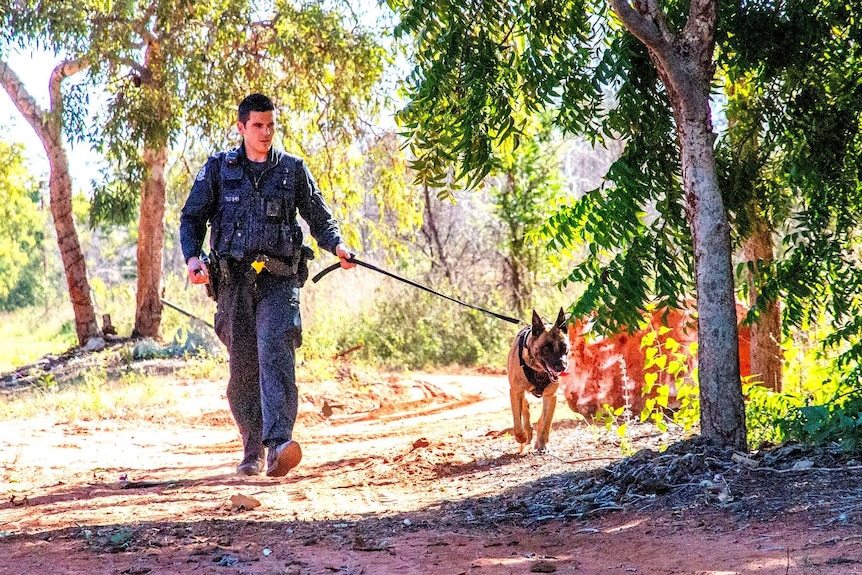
{"x":231,"y":199}
{"x":202,"y":174}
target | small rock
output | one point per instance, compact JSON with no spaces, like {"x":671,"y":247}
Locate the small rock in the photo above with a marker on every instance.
{"x":95,"y":344}
{"x":543,"y":567}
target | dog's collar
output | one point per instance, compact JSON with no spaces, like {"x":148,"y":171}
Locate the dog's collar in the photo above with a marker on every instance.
{"x":538,"y":378}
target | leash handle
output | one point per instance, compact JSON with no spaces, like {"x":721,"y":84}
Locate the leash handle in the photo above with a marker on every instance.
{"x":326,"y":270}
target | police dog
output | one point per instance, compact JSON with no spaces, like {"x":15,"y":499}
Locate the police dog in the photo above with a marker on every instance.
{"x":539,"y":354}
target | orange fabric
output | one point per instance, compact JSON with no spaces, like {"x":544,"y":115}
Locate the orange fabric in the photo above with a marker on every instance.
{"x":597,"y":366}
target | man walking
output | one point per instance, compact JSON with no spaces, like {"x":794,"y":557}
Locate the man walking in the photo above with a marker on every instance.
{"x":249,"y":197}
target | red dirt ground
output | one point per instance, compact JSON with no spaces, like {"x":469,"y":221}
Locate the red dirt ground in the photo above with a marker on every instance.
{"x":416,"y":474}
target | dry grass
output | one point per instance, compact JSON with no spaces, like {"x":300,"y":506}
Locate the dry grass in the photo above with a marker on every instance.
{"x":145,"y":390}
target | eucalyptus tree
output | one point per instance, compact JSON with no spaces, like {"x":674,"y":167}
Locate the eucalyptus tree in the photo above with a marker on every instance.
{"x":480,"y":65}
{"x":175,"y":70}
{"x":172,"y":71}
{"x":60,"y":27}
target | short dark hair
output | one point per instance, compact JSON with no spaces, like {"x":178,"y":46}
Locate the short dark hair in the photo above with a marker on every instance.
{"x":253,"y":103}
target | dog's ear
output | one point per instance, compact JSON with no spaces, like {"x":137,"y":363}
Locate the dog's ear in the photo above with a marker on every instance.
{"x":561,"y":320}
{"x":538,"y":324}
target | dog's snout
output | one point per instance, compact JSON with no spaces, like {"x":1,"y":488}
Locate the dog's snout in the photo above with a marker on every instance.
{"x":562,"y":363}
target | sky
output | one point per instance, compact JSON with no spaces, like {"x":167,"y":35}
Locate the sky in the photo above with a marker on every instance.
{"x":34,"y":69}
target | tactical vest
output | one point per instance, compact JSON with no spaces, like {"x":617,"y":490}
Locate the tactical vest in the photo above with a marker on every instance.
{"x":256,"y":219}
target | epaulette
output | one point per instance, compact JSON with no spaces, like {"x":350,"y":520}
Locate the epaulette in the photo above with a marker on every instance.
{"x":231,"y":158}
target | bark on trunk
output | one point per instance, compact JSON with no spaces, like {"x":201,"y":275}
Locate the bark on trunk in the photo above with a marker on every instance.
{"x":48,"y":128}
{"x":722,"y":411}
{"x":151,"y":235}
{"x":685,"y":65}
{"x":151,"y":224}
{"x":766,"y":356}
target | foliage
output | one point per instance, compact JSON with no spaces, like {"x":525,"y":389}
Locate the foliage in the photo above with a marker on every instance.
{"x":320,"y":67}
{"x":829,"y":413}
{"x":839,"y":422}
{"x":792,"y":155}
{"x":668,"y":369}
{"x":473,"y":91}
{"x":798,"y":98}
{"x":409,"y":330}
{"x":524,"y":194}
{"x":812,"y":386}
{"x":29,"y":333}
{"x":795,"y":77}
{"x":473,"y":86}
{"x":23,"y":222}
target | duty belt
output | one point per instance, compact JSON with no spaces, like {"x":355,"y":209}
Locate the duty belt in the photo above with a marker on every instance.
{"x":274,"y":266}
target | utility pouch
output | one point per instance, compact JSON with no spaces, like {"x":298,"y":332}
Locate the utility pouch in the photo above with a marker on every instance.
{"x":214,"y":269}
{"x":274,"y":208}
{"x":304,"y":255}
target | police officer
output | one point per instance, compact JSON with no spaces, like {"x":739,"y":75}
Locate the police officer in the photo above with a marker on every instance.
{"x":249,"y":197}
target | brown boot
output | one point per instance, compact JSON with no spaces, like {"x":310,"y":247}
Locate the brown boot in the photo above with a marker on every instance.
{"x":250,"y":465}
{"x":283,"y":458}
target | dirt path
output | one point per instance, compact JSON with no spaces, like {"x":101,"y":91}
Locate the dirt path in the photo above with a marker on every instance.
{"x":413,"y":475}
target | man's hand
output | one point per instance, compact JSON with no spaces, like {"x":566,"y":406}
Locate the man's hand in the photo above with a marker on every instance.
{"x":344,"y":255}
{"x":198,"y":272}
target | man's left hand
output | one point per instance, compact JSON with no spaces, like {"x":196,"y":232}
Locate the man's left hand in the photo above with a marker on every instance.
{"x":345,"y":255}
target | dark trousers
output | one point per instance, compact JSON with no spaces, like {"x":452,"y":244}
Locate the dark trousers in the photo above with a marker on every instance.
{"x":258,"y":320}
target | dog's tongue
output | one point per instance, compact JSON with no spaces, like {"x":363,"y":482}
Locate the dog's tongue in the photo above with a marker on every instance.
{"x":564,"y":373}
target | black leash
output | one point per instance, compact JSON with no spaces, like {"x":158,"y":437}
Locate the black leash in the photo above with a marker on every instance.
{"x":186,"y":313}
{"x":325,"y":271}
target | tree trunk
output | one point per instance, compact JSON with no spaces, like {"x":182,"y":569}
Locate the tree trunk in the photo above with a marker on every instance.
{"x":722,"y":411}
{"x":48,"y":128}
{"x":766,"y":356}
{"x":685,"y":65}
{"x":151,"y":235}
{"x":151,"y":225}
{"x":436,"y":244}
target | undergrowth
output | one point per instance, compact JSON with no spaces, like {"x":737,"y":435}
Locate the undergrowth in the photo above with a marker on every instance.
{"x":122,"y":383}
{"x":409,"y":330}
{"x":28,"y":334}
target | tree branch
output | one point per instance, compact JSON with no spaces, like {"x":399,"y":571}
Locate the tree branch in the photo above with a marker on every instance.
{"x":58,"y":74}
{"x":702,"y":18}
{"x":141,"y":28}
{"x":23,"y":100}
{"x":646,"y":20}
{"x":699,"y":34}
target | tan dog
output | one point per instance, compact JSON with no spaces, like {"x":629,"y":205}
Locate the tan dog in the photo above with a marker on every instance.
{"x":539,"y":354}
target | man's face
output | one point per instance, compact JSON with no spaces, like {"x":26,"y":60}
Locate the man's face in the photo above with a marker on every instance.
{"x":257,"y":133}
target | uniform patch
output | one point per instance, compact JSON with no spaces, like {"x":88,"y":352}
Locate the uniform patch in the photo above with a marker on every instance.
{"x":202,"y":174}
{"x":231,"y":199}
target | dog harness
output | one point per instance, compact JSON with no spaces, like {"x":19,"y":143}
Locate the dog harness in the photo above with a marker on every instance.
{"x":538,"y":379}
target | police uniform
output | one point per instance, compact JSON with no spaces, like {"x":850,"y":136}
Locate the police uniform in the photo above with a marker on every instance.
{"x":251,"y":209}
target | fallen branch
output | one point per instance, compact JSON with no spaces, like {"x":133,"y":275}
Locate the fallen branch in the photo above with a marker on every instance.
{"x":146,"y":484}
